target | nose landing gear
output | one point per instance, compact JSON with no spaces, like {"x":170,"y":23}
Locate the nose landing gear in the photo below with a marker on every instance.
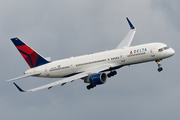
{"x":160,"y":69}
{"x":159,"y":65}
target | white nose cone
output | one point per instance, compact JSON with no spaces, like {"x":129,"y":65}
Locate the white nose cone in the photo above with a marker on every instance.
{"x":170,"y":52}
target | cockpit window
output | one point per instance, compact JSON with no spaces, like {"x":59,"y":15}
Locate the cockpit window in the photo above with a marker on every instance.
{"x":160,"y":50}
{"x":164,"y":48}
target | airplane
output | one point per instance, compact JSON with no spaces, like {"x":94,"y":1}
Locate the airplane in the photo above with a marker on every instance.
{"x":91,"y":68}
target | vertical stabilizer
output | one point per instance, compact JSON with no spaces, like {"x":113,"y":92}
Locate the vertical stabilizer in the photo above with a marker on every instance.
{"x":32,"y":58}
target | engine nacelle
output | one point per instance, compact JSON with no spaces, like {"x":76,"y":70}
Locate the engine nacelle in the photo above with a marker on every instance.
{"x":96,"y":79}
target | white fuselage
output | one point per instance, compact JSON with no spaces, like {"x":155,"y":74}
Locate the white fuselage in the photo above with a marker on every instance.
{"x":113,"y":58}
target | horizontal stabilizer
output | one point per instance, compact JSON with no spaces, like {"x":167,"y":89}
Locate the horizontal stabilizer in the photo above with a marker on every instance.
{"x":26,"y":75}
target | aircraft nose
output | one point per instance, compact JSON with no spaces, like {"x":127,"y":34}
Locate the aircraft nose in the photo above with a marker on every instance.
{"x":171,"y":52}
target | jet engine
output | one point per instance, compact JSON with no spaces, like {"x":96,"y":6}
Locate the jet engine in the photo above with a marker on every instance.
{"x":96,"y":79}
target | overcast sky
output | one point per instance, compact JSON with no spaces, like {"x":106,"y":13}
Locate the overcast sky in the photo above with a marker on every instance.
{"x":66,"y":28}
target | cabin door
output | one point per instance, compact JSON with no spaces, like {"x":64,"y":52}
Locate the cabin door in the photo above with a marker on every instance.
{"x":122,"y":57}
{"x":152,"y":52}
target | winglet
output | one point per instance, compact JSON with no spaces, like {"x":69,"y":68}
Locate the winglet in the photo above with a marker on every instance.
{"x":126,"y":42}
{"x":130,"y":24}
{"x":21,"y":90}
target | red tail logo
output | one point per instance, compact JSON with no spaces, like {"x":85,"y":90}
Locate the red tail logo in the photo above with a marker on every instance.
{"x":32,"y":57}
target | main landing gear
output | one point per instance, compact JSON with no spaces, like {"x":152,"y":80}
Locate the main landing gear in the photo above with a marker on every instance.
{"x":90,"y":86}
{"x":159,"y":65}
{"x":112,"y":73}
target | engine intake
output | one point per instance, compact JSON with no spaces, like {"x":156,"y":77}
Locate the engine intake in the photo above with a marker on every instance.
{"x":96,"y":79}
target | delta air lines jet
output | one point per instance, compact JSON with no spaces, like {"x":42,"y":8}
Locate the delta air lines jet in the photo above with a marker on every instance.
{"x":93,"y":68}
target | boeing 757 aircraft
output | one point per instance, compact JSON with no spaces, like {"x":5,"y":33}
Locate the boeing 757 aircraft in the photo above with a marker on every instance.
{"x":92,"y":68}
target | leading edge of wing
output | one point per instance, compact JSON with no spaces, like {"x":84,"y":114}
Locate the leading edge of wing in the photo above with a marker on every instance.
{"x":72,"y":78}
{"x":126,"y":42}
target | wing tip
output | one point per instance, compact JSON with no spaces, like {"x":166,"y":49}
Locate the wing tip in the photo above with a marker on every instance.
{"x":21,"y":90}
{"x":130,"y":24}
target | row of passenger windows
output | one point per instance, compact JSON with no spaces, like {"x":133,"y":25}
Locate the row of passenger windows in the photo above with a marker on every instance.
{"x":91,"y":62}
{"x":87,"y":63}
{"x":115,"y":58}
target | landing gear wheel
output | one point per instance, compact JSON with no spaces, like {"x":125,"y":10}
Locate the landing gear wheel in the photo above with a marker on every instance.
{"x":90,"y":86}
{"x":108,"y":75}
{"x":112,"y":73}
{"x":160,"y":69}
{"x":159,"y":65}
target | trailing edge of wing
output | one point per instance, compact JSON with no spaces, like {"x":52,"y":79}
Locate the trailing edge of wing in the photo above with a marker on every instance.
{"x":23,"y":76}
{"x":81,"y":75}
{"x":126,"y":42}
{"x":63,"y":81}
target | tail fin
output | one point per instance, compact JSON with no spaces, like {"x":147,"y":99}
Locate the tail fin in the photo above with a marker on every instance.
{"x":32,"y":58}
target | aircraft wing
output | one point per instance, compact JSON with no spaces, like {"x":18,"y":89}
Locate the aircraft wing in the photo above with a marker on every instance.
{"x":23,"y":76}
{"x":63,"y":81}
{"x":126,"y":42}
